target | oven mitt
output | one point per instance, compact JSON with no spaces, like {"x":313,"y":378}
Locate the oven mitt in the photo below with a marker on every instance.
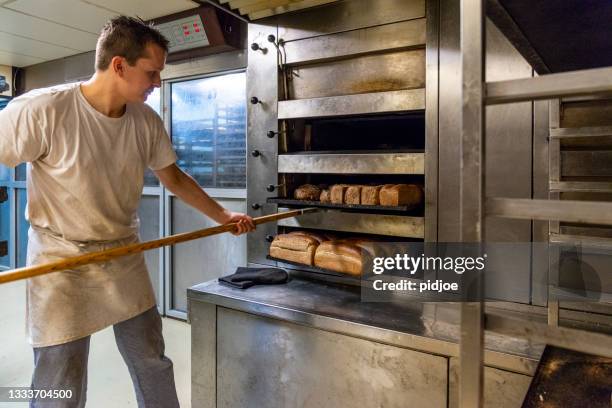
{"x":246,"y":277}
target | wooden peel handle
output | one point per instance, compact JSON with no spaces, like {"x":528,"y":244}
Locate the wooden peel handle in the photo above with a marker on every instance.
{"x":103,"y":256}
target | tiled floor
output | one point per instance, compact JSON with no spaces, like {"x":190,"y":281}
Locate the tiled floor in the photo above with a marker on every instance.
{"x":109,"y":381}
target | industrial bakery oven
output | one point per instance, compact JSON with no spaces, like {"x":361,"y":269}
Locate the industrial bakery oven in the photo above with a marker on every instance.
{"x":340,"y":122}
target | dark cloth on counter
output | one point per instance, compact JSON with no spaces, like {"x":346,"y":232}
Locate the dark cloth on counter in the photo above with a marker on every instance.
{"x":246,"y":277}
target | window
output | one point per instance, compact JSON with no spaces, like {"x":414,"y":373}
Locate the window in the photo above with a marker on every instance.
{"x":4,"y":100}
{"x":5,"y":173}
{"x":208,"y":123}
{"x":154,"y":101}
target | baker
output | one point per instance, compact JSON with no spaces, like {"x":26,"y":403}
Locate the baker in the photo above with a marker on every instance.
{"x":88,"y":145}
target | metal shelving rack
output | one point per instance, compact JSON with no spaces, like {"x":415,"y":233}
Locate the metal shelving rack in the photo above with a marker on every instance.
{"x":475,"y":206}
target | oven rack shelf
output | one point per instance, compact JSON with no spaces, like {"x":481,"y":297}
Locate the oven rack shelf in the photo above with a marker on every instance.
{"x":402,"y":209}
{"x":349,"y":279}
{"x":375,"y":224}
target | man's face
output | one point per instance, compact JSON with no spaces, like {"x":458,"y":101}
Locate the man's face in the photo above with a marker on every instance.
{"x":139,"y":80}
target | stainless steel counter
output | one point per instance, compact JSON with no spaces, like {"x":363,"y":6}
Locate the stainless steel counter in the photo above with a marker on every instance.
{"x":427,"y":327}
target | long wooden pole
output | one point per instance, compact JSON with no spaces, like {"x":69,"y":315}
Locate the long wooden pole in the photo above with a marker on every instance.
{"x":103,"y":256}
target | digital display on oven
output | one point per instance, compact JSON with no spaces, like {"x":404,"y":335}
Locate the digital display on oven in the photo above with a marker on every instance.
{"x":184,"y":34}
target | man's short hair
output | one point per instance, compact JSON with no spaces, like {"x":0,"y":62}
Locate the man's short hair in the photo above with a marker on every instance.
{"x":126,"y":37}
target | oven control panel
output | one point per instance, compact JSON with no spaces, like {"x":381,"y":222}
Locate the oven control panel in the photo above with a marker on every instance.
{"x":185,"y":33}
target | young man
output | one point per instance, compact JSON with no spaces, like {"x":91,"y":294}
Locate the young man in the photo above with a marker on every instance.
{"x":89,"y":145}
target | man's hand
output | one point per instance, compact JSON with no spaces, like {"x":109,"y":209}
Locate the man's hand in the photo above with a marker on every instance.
{"x":244,"y":222}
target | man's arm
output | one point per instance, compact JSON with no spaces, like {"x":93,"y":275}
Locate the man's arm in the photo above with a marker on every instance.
{"x":188,"y":190}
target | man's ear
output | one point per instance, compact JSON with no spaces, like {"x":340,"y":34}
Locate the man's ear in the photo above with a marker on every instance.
{"x":118,"y":65}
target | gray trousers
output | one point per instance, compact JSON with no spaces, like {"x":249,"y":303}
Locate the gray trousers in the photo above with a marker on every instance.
{"x":141,"y":345}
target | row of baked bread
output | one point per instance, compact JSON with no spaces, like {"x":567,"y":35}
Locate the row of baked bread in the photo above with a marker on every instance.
{"x":322,"y":251}
{"x":384,"y":195}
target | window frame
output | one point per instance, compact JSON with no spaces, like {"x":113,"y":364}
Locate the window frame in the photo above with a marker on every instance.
{"x":225,"y":192}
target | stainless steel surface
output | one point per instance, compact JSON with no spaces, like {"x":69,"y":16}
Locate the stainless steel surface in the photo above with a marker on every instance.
{"x":150,"y":229}
{"x":539,"y":260}
{"x":528,"y":327}
{"x":553,"y":312}
{"x":502,"y":389}
{"x":506,"y":23}
{"x":427,"y":327}
{"x":471,"y":193}
{"x":581,"y":186}
{"x":595,"y":131}
{"x":64,"y":70}
{"x":510,"y":134}
{"x":204,"y":259}
{"x":346,"y":16}
{"x":554,"y":168}
{"x":586,"y":163}
{"x":203,"y":321}
{"x":570,"y":211}
{"x":509,"y":137}
{"x":582,"y":240}
{"x":380,"y":72}
{"x":299,"y":372}
{"x":432,"y":60}
{"x":393,"y":225}
{"x":389,"y":37}
{"x":576,"y":83}
{"x":262,"y":82}
{"x":449,"y":105}
{"x":376,"y":102}
{"x":352,"y":163}
{"x":226,"y":61}
{"x":591,"y":112}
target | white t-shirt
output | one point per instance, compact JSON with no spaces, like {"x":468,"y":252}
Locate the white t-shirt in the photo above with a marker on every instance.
{"x":87,"y":169}
{"x":85,"y":182}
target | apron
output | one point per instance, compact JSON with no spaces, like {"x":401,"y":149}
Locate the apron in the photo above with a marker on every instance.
{"x":72,"y":304}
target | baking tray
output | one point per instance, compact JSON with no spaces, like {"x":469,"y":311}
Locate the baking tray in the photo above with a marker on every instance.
{"x":570,"y":379}
{"x":357,"y":207}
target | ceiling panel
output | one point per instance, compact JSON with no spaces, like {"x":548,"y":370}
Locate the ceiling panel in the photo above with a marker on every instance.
{"x":145,"y":9}
{"x":34,"y":31}
{"x":32,"y":48}
{"x":72,"y":13}
{"x":16,"y":60}
{"x":42,"y":30}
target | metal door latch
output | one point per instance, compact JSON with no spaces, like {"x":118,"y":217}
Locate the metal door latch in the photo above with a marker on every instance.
{"x":3,"y":194}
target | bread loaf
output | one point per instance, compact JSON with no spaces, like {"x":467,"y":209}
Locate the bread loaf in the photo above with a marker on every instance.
{"x":336,"y":193}
{"x":370,"y":195}
{"x":352,"y":195}
{"x":401,"y":194}
{"x":325,"y":196}
{"x":308,"y":192}
{"x":340,"y":257}
{"x":318,"y":237}
{"x":294,"y":247}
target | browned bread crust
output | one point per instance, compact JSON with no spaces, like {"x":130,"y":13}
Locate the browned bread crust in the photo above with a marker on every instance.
{"x":337,"y":193}
{"x":401,"y":194}
{"x":325,"y":196}
{"x":370,"y":195}
{"x":308,"y":192}
{"x":294,"y":247}
{"x":352,"y":195}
